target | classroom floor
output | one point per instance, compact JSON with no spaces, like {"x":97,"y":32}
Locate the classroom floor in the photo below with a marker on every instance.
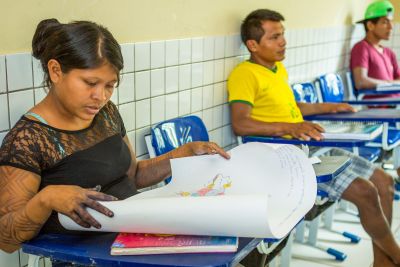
{"x":358,"y":255}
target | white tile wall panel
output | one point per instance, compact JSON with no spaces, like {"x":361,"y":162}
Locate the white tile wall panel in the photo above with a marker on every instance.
{"x":157,"y":82}
{"x":217,"y":117}
{"x":218,"y":98}
{"x":171,"y":79}
{"x":157,"y":109}
{"x":197,"y":74}
{"x":19,"y":71}
{"x":128,"y":54}
{"x":19,"y":102}
{"x":208,"y":118}
{"x":38,"y":74}
{"x":157,"y":54}
{"x":142,"y":56}
{"x":171,"y":52}
{"x":185,"y":51}
{"x":208,"y":52}
{"x":226,"y":115}
{"x":126,"y":90}
{"x":208,"y":96}
{"x":218,"y":70}
{"x":219,"y":47}
{"x":3,"y":79}
{"x":142,"y":113}
{"x":4,"y":121}
{"x":216,"y":136}
{"x":208,"y":72}
{"x":185,"y":73}
{"x":197,"y":49}
{"x":184,"y":102}
{"x":197,"y":99}
{"x":171,"y":106}
{"x":142,"y":85}
{"x":127,"y":112}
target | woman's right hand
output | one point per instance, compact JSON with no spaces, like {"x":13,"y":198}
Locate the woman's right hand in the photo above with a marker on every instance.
{"x":72,"y":201}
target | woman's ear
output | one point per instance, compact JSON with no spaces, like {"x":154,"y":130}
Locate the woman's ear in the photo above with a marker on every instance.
{"x":55,"y":72}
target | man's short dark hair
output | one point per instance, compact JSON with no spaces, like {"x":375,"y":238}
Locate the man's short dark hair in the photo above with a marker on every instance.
{"x":251,"y":28}
{"x":374,"y":21}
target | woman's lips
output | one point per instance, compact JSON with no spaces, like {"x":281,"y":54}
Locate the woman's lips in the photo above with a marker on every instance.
{"x":92,"y":110}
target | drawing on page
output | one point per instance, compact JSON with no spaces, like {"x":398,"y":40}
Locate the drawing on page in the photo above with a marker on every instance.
{"x":215,"y":187}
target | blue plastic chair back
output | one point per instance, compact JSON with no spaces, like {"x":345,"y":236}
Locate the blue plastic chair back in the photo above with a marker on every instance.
{"x":305,"y":92}
{"x":331,"y":87}
{"x":170,"y":134}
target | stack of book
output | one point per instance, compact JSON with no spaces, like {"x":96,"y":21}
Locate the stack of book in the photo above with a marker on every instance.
{"x":388,"y":87}
{"x":351,"y":130}
{"x":144,"y":244}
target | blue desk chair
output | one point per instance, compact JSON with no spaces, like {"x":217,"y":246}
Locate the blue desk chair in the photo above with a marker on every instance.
{"x":170,"y":134}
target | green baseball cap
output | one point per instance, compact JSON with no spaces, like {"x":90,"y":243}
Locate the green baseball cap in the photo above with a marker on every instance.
{"x":378,"y":9}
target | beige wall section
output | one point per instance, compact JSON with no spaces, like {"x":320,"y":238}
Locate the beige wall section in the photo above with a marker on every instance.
{"x":145,"y":20}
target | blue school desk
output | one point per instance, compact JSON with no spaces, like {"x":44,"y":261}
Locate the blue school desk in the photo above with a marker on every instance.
{"x":367,"y":115}
{"x":94,"y":249}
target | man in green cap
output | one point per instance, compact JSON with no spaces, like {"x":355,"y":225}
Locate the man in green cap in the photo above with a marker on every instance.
{"x":370,"y":62}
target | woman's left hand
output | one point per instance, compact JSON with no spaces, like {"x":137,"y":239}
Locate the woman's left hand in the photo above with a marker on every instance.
{"x":210,"y":148}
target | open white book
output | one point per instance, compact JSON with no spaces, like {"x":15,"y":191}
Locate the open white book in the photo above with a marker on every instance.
{"x":388,"y":87}
{"x":263,"y":191}
{"x":351,"y":130}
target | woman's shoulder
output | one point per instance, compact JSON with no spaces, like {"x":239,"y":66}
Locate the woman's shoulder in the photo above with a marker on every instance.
{"x":24,"y":130}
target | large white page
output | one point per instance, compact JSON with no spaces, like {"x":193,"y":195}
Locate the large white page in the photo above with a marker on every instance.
{"x":262,"y":191}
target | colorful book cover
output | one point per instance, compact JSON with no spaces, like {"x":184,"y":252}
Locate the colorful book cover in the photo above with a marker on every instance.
{"x":140,"y":244}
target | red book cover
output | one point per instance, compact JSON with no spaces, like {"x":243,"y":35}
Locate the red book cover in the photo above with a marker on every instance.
{"x":140,"y":244}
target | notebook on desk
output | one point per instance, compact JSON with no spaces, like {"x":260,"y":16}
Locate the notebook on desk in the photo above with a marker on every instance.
{"x":351,"y":130}
{"x":388,"y":87}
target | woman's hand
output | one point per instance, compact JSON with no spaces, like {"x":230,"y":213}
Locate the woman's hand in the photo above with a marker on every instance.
{"x":201,"y":148}
{"x":72,"y":201}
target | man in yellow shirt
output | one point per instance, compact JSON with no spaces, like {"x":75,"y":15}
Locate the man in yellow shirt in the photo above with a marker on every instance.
{"x":262,"y":103}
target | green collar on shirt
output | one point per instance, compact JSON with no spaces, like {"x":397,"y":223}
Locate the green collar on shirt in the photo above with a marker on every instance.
{"x":274,"y":69}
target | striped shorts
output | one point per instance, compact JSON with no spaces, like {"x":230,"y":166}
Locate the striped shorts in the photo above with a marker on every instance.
{"x":359,"y":167}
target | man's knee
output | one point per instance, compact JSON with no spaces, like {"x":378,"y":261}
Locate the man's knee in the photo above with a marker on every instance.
{"x":362,"y":192}
{"x":384,"y":183}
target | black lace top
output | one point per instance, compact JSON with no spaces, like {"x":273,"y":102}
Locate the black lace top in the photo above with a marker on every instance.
{"x":93,"y":156}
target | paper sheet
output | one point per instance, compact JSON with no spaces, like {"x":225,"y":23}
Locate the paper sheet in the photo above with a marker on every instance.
{"x":262,"y":191}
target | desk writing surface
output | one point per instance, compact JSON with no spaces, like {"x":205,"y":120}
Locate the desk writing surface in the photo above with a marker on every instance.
{"x":95,"y":249}
{"x":330,"y":167}
{"x":366,"y":115}
{"x":322,"y":143}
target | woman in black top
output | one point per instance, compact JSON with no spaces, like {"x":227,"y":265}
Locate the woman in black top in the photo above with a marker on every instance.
{"x":73,"y":144}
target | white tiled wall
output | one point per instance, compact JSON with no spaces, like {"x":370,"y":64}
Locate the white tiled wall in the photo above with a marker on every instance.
{"x":170,"y":78}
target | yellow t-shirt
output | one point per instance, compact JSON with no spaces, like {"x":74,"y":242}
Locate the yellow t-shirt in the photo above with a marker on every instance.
{"x":268,"y":92}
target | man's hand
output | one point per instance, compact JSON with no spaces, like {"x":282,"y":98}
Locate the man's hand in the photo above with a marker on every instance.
{"x":338,"y":107}
{"x":306,"y":130}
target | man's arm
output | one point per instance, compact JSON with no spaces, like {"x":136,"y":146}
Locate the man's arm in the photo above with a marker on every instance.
{"x":243,"y":124}
{"x":323,"y":108}
{"x":363,"y":81}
